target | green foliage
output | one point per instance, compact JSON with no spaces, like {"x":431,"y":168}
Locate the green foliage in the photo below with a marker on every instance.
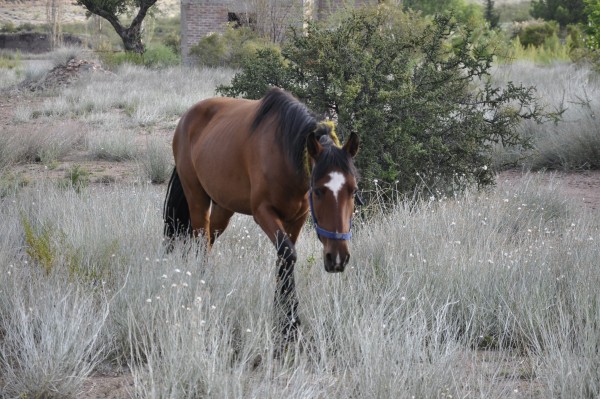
{"x":40,"y":247}
{"x":76,"y":178}
{"x":173,"y":41}
{"x":160,"y":56}
{"x":592,"y":10}
{"x":514,"y":12}
{"x":536,"y":34}
{"x":564,"y":12}
{"x":8,"y":27}
{"x":265,"y":69}
{"x":47,"y":247}
{"x":490,"y":14}
{"x":460,"y":9}
{"x":228,"y":49}
{"x":113,"y":10}
{"x":156,"y":56}
{"x":9,"y":60}
{"x":410,"y":88}
{"x":552,"y":50}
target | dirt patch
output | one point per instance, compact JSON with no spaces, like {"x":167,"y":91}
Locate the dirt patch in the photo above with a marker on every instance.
{"x":582,"y":187}
{"x":100,"y":386}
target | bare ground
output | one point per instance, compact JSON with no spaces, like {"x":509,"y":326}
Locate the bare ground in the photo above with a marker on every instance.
{"x":582,"y":187}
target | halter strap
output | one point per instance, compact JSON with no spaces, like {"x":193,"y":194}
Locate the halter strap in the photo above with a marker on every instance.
{"x":321,"y":232}
{"x":329,"y":126}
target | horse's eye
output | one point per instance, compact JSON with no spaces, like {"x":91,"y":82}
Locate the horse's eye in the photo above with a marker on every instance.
{"x":318,"y":192}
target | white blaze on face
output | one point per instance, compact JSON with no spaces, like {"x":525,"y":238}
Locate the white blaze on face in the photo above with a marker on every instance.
{"x":335,"y":183}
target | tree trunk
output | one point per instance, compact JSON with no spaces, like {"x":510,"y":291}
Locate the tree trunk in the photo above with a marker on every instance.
{"x":132,"y":39}
{"x":132,"y":35}
{"x":54,"y":12}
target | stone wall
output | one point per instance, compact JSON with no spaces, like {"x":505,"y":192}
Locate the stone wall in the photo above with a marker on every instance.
{"x":202,"y":17}
{"x":198,"y":19}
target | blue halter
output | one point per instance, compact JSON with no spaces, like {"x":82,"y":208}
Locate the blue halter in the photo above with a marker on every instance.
{"x":326,"y":233}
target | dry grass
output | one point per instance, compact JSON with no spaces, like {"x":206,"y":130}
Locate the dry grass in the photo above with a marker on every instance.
{"x":486,"y":295}
{"x":512,"y":271}
{"x":572,"y":141}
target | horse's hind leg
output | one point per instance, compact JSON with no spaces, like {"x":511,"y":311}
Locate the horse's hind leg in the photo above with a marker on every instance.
{"x":219,"y":219}
{"x":199,"y":205}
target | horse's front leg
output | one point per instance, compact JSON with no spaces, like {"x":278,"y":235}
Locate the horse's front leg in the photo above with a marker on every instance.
{"x":286,"y":300}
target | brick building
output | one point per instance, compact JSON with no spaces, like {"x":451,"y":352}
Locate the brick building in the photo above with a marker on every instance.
{"x":202,"y":17}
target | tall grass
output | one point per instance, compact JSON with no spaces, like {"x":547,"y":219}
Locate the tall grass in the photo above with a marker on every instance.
{"x":572,"y":141}
{"x":40,"y":144}
{"x":487,"y":295}
{"x":171,"y":93}
{"x":112,"y":145}
{"x":157,"y":160}
{"x":478,"y":296}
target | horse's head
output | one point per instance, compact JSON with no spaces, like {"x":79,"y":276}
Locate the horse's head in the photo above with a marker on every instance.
{"x":331,"y":197}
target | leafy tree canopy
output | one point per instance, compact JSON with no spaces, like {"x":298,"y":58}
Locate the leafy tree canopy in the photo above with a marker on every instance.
{"x":592,"y":10}
{"x":564,"y":12}
{"x":417,"y":91}
{"x":491,"y":16}
{"x":462,"y":11}
{"x":113,"y":10}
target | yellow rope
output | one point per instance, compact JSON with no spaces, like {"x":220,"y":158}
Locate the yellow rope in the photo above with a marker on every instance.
{"x":330,"y":128}
{"x":330,"y":125}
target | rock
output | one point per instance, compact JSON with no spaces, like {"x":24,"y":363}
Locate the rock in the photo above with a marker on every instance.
{"x":64,"y":75}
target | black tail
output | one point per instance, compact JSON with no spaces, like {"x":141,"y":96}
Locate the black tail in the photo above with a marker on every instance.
{"x":176,"y":213}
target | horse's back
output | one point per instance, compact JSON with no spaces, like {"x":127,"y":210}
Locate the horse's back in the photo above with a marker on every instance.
{"x":211,"y":140}
{"x":196,"y":120}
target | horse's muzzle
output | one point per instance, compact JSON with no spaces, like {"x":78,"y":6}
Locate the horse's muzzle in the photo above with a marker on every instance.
{"x":335,"y":262}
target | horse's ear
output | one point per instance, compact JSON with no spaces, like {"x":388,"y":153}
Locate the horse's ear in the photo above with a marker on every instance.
{"x":313,"y":146}
{"x":351,"y":146}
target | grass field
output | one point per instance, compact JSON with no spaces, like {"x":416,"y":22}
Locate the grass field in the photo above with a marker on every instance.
{"x":491,"y":294}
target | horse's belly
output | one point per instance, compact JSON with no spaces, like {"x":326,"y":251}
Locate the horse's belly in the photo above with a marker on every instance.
{"x":225,"y":185}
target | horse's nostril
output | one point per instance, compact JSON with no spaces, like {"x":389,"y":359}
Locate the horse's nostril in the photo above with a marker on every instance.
{"x":329,"y":258}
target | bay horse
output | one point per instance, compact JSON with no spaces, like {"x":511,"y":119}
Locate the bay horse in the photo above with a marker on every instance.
{"x":272,"y":159}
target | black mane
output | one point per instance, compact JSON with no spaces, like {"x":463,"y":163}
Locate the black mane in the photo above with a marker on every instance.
{"x":294,"y":123}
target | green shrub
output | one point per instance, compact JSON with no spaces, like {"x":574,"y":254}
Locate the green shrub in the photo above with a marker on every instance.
{"x":592,"y":9}
{"x":564,"y":12}
{"x":155,"y":56}
{"x":40,"y":247}
{"x":77,"y":178}
{"x":10,"y":59}
{"x":409,"y":87}
{"x":513,"y":12}
{"x":550,"y":51}
{"x":160,"y":56}
{"x":229,"y":48}
{"x":536,"y":34}
{"x":265,"y":69}
{"x":173,"y":41}
{"x":8,"y":27}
